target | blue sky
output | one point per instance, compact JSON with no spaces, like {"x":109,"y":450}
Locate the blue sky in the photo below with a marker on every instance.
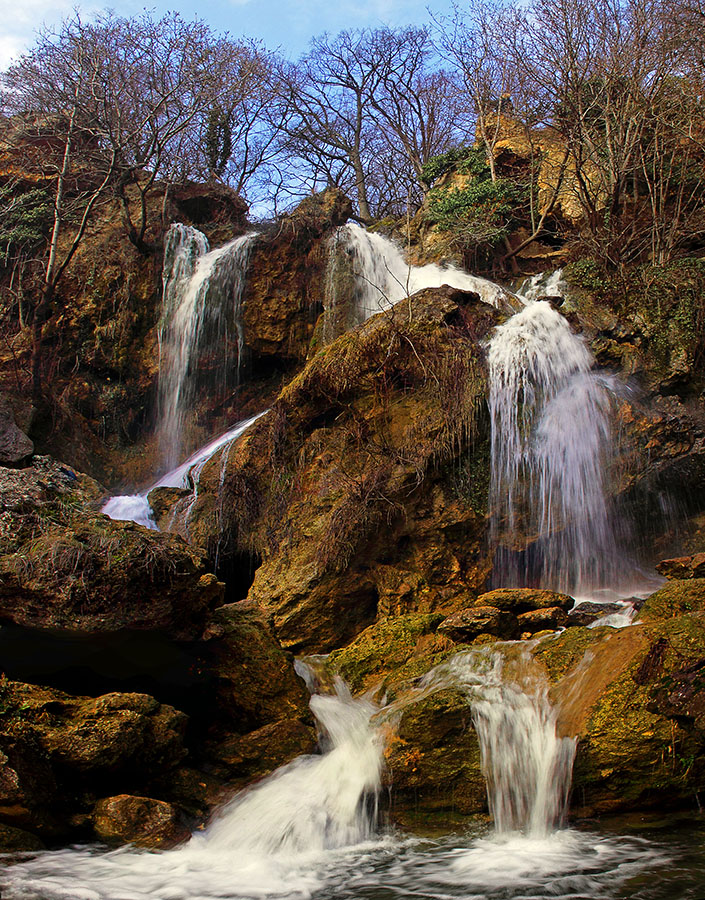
{"x":287,"y":24}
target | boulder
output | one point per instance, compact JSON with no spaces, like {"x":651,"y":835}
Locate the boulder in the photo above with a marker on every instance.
{"x":15,"y":446}
{"x":549,"y":619}
{"x":56,"y":750}
{"x":142,"y":821}
{"x":433,"y":759}
{"x":241,"y":759}
{"x":465,"y":625}
{"x":519,"y":600}
{"x":253,"y":682}
{"x":393,"y":650}
{"x":683,"y":567}
{"x":587,"y":612}
{"x":341,"y":537}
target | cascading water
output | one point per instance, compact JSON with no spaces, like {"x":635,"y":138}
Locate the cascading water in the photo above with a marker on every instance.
{"x":367,"y":273}
{"x":200,"y":325}
{"x":527,"y":766}
{"x":273,"y":840}
{"x":136,"y":508}
{"x":552,"y":443}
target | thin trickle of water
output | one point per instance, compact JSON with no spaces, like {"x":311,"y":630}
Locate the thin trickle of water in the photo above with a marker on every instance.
{"x":200,"y":322}
{"x":367,"y":273}
{"x":527,"y":766}
{"x":271,"y":840}
{"x":552,"y":442}
{"x":136,"y":508}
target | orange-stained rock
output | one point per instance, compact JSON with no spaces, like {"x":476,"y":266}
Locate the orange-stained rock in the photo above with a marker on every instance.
{"x":143,"y":821}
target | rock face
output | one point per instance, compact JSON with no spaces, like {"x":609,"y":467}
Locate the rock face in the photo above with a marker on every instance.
{"x":283,"y":298}
{"x":15,"y":446}
{"x":94,"y":606}
{"x":57,"y":750}
{"x":343,"y":533}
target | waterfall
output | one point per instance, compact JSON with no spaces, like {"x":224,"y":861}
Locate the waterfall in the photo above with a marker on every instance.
{"x":527,"y":767}
{"x":551,"y":448}
{"x":200,"y":326}
{"x":367,"y":273}
{"x":272,"y":840}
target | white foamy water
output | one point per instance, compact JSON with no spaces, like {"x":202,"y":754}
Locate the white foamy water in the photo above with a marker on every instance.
{"x":202,"y":294}
{"x":136,"y":508}
{"x":276,"y":839}
{"x":527,"y":767}
{"x":552,"y":445}
{"x":381,"y":277}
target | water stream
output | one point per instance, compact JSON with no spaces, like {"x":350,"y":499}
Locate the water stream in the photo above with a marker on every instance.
{"x":367,"y":273}
{"x":200,"y":327}
{"x":136,"y":508}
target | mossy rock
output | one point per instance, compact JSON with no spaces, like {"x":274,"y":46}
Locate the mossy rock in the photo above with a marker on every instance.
{"x":380,"y":652}
{"x":675,"y":599}
{"x":433,"y":758}
{"x":519,"y":600}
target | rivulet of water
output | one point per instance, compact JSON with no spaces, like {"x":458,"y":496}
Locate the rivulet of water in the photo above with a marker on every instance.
{"x":136,"y":508}
{"x":527,"y":766}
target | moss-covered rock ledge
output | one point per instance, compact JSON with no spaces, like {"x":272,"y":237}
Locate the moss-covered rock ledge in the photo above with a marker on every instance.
{"x":363,"y":491}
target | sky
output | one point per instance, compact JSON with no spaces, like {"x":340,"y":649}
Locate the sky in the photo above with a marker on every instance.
{"x":284,"y":24}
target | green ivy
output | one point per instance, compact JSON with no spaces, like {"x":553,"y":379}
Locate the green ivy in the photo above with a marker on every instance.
{"x":483,"y":210}
{"x":466,"y":160}
{"x":24,"y":219}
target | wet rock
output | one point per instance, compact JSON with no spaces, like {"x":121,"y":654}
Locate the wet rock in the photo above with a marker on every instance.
{"x":96,"y":736}
{"x":675,"y":598}
{"x":433,"y":758}
{"x":465,"y":625}
{"x":15,"y":840}
{"x":95,"y":575}
{"x":390,"y":651}
{"x":549,"y":619}
{"x":15,"y":446}
{"x":683,"y":567}
{"x":56,"y":750}
{"x":253,"y":679}
{"x":284,"y":289}
{"x":587,"y":612}
{"x":240,"y":759}
{"x":142,"y":821}
{"x":519,"y":600}
{"x":682,"y":694}
{"x":635,"y":708}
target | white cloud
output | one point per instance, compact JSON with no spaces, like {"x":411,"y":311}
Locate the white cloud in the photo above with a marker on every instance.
{"x":28,"y":16}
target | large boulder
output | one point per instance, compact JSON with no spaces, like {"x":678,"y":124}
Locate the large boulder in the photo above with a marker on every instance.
{"x":142,"y":821}
{"x":65,"y":567}
{"x":337,"y":536}
{"x":57,"y":750}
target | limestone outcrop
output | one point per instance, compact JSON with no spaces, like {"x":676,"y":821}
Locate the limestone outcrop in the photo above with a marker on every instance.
{"x":362,"y":492}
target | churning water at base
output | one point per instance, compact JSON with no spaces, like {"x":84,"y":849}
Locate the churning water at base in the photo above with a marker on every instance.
{"x":276,"y":839}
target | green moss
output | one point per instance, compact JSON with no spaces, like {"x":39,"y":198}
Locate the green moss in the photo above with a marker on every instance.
{"x":383,"y":648}
{"x":561,"y":653}
{"x":674,"y":599}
